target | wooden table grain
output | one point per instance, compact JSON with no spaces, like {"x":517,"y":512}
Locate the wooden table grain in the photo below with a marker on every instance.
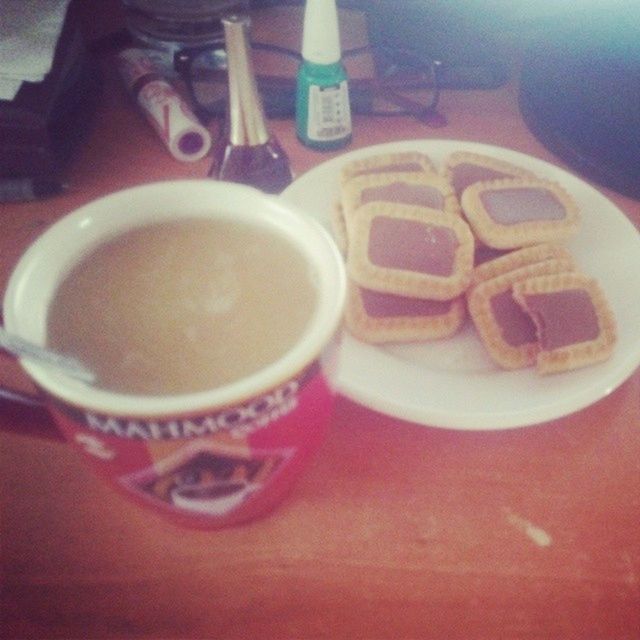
{"x":396,"y":530}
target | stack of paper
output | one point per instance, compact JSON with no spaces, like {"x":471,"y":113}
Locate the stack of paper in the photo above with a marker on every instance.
{"x":29,"y":31}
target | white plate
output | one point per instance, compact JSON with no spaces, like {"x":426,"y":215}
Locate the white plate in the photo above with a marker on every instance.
{"x":453,"y":383}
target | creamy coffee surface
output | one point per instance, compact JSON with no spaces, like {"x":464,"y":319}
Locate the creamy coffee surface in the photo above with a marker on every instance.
{"x":183,"y":306}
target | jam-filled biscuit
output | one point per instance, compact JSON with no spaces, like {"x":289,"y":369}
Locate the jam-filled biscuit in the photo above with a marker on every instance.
{"x":463,"y":169}
{"x":512,"y":213}
{"x":520,"y":258}
{"x":574,"y":323}
{"x":377,"y":317}
{"x":506,"y":330}
{"x":418,"y":189}
{"x":401,"y":161}
{"x":411,"y":251}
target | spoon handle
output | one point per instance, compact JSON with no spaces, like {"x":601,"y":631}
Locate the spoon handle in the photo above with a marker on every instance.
{"x":22,"y":348}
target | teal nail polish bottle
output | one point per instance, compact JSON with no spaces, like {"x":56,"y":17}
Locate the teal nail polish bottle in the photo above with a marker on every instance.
{"x":323,"y":111}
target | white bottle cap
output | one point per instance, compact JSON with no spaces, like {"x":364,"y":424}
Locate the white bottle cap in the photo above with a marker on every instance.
{"x":321,"y":35}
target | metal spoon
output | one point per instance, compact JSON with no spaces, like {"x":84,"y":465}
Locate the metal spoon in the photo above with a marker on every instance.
{"x":20,"y":347}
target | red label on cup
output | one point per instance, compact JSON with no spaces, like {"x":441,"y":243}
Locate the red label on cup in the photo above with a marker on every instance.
{"x":209,"y":469}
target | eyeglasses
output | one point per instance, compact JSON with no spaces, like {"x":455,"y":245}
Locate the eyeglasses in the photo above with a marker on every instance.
{"x":404,"y":83}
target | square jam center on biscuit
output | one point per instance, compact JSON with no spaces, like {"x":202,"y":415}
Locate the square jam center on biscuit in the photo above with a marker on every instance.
{"x":564,"y":317}
{"x":398,"y":243}
{"x":516,"y":327}
{"x":522,"y":204}
{"x":415,"y":194}
{"x":389,"y":305}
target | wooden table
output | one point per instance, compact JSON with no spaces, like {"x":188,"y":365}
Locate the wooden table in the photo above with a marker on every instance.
{"x":396,"y":530}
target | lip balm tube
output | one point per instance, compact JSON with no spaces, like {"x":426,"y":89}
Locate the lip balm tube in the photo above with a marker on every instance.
{"x":163,"y":106}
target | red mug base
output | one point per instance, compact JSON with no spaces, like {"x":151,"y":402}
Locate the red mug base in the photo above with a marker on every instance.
{"x":214,"y":469}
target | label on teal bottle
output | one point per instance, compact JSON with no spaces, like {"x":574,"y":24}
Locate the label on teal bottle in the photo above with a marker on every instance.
{"x":323,"y":112}
{"x":329,"y":115}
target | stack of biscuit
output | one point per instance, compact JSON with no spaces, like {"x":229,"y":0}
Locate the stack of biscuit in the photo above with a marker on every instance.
{"x":422,"y":246}
{"x":409,"y":253}
{"x":533,"y":307}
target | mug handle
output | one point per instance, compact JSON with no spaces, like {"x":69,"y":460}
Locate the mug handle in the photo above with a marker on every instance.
{"x":27,"y":415}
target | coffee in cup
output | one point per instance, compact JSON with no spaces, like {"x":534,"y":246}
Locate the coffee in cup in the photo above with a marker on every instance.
{"x":183,"y":306}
